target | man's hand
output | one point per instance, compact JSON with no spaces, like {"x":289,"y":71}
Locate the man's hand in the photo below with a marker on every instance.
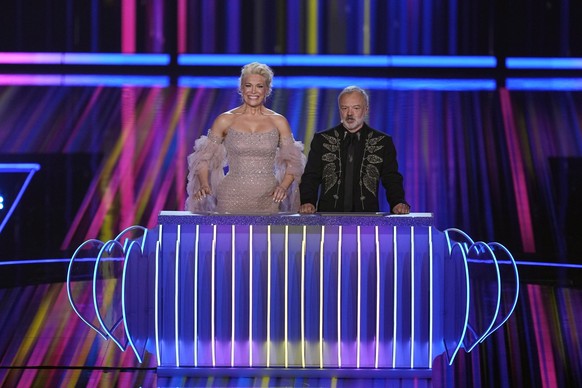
{"x":401,"y":208}
{"x":307,"y":208}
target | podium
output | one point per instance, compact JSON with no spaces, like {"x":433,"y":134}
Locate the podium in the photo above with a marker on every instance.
{"x":326,"y":294}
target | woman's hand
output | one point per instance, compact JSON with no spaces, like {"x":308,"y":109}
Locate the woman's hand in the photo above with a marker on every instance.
{"x":279,"y":194}
{"x":202,"y":192}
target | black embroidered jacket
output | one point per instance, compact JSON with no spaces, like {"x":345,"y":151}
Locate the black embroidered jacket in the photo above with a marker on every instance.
{"x":374,"y":162}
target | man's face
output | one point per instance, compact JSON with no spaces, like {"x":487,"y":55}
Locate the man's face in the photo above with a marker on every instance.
{"x":353,"y":110}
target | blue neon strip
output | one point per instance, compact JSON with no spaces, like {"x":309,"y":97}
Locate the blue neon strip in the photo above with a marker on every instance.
{"x":19,"y":167}
{"x":115,"y":59}
{"x":543,"y":63}
{"x":341,"y":82}
{"x":544,"y":83}
{"x":339,"y":60}
{"x":443,"y":61}
{"x":116,"y":80}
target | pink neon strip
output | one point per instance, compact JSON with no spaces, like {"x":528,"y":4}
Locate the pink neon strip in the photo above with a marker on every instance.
{"x":517,"y":173}
{"x":128,"y":26}
{"x":182,"y":26}
{"x":543,"y":337}
{"x":34,"y":58}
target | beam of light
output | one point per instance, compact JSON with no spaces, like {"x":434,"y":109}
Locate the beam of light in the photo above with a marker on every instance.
{"x":176,"y":295}
{"x":518,"y":173}
{"x":543,"y":63}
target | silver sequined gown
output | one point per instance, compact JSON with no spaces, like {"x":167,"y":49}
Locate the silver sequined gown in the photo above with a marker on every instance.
{"x":248,"y":186}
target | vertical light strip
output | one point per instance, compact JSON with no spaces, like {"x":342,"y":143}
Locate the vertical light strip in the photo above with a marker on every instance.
{"x":286,"y":295}
{"x":128,"y":26}
{"x":212,"y":301}
{"x":412,"y":300}
{"x":176,"y":293}
{"x":232,"y":295}
{"x":312,"y":26}
{"x":366,"y":27}
{"x":377,"y":349}
{"x":339,"y":297}
{"x":359,"y":300}
{"x":196,"y":252}
{"x":431,"y":296}
{"x":156,"y":296}
{"x":182,"y":12}
{"x":395,"y":282}
{"x":518,"y":173}
{"x":250,"y":295}
{"x":303,"y":248}
{"x":321,"y":244}
{"x":268,"y":295}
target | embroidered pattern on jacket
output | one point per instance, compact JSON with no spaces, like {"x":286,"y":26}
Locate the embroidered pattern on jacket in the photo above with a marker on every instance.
{"x":332,"y":166}
{"x":369,"y":172}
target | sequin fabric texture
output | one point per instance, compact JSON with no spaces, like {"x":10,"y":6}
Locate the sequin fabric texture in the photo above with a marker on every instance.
{"x":248,"y":186}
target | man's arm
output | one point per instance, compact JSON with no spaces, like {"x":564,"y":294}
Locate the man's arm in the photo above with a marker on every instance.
{"x":311,"y":178}
{"x":392,"y":180}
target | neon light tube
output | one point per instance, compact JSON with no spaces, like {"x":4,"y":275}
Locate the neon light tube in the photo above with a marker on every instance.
{"x":286,"y":296}
{"x":543,"y":63}
{"x":250,"y":295}
{"x":359,"y":300}
{"x":232,"y":293}
{"x":377,"y":347}
{"x":412,"y":301}
{"x":176,"y":288}
{"x":321,"y":244}
{"x":339,"y":297}
{"x":395,"y":281}
{"x":303,"y":248}
{"x":196,"y":253}
{"x":544,"y":83}
{"x":212,"y":297}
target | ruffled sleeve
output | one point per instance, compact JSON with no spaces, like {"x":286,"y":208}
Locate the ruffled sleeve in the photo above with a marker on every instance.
{"x":208,"y":152}
{"x":290,"y":160}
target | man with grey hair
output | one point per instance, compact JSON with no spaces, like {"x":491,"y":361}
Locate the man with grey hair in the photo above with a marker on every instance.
{"x":346,"y":164}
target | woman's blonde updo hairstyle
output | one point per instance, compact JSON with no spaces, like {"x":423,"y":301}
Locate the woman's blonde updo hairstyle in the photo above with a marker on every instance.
{"x":260,"y":69}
